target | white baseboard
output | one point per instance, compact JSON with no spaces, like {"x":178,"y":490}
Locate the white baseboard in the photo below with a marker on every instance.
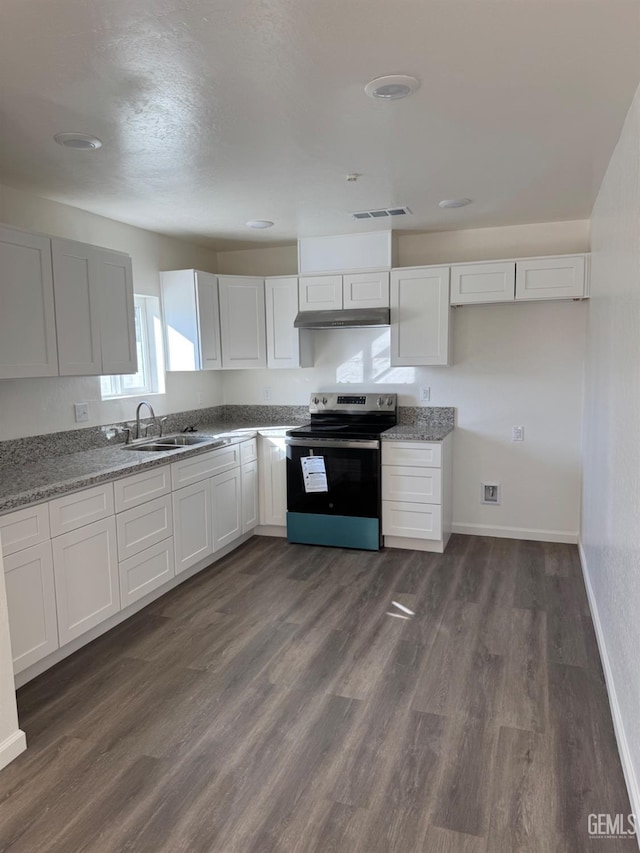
{"x":11,"y":747}
{"x":516,"y":533}
{"x":270,"y":530}
{"x":618,"y":724}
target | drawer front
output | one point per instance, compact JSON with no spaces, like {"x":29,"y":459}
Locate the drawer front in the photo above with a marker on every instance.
{"x":31,"y":603}
{"x":415,"y":485}
{"x":146,"y":571}
{"x":24,"y":528}
{"x":136,"y":490}
{"x":248,"y":451}
{"x":80,"y":508}
{"x":200,"y":467}
{"x":144,"y":526}
{"x":419,"y":454}
{"x":411,"y":520}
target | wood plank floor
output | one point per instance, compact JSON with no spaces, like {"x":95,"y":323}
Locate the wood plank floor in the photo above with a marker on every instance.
{"x":300,"y":699}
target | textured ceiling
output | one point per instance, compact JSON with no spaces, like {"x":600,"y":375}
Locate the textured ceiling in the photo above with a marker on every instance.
{"x":214,"y":112}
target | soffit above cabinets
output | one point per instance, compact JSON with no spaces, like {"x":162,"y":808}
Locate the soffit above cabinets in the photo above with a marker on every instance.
{"x":212,"y":113}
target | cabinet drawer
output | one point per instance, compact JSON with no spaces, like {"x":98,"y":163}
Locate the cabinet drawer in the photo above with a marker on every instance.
{"x":146,"y":571}
{"x":80,"y":508}
{"x":416,"y":485}
{"x":248,"y":451}
{"x":200,"y":467}
{"x":483,"y":283}
{"x":136,"y":490}
{"x":24,"y":528}
{"x":412,"y":520}
{"x":31,"y":604}
{"x":143,"y":526}
{"x":419,"y":454}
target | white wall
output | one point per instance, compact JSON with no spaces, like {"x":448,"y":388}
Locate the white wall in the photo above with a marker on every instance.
{"x":34,"y":406}
{"x":610,"y":533}
{"x":513,"y":365}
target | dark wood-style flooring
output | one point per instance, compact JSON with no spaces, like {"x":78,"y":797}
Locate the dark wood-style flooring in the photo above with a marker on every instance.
{"x":296,"y":698}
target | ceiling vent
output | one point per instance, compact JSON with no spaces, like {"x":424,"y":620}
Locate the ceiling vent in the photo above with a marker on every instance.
{"x":382,"y":213}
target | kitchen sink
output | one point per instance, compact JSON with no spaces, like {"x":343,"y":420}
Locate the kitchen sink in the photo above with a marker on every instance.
{"x":175,"y":442}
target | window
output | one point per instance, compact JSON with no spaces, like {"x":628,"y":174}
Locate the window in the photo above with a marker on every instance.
{"x":150,"y":376}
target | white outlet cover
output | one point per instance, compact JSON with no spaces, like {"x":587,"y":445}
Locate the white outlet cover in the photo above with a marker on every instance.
{"x":518,"y":433}
{"x":82,"y":412}
{"x":425,"y":393}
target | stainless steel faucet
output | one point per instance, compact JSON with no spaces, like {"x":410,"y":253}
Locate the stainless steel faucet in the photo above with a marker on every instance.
{"x":140,"y":405}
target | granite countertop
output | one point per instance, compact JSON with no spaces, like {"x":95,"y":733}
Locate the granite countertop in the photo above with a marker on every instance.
{"x":417,"y":432}
{"x":43,"y":479}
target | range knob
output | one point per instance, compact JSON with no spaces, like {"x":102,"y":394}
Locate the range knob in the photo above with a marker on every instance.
{"x":324,"y":401}
{"x":316,"y":401}
{"x":389,"y":401}
{"x":379,"y":401}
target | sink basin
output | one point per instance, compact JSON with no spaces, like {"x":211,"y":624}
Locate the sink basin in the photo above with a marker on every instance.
{"x":174,"y":442}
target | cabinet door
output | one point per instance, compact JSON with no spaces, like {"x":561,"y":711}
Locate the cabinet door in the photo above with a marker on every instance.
{"x":27,"y":318}
{"x":550,"y":278}
{"x":192,"y":525}
{"x":180,"y":314}
{"x":471,"y":283}
{"x":85,"y":564}
{"x":227,"y":508}
{"x":76,"y":283}
{"x":286,"y":345}
{"x":242,"y":322}
{"x":249,"y":496}
{"x":320,"y":292}
{"x":117,"y":324}
{"x":273,"y":480}
{"x":31,"y":602}
{"x":366,"y":290}
{"x":209,"y":321}
{"x":420,"y":316}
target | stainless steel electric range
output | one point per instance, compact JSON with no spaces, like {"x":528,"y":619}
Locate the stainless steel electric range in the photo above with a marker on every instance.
{"x":333,"y":471}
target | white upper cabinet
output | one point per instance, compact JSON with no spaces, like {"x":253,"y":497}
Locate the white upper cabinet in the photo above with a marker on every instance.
{"x":27,"y":317}
{"x":242,"y":322}
{"x":192,"y":320}
{"x":561,"y":277}
{"x":117,"y":324}
{"x":485,"y":282}
{"x":320,"y":292}
{"x":366,"y":290}
{"x":420,"y":316}
{"x":286,"y":345}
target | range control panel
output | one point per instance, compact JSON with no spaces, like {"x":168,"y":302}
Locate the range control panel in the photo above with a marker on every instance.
{"x":328,"y":401}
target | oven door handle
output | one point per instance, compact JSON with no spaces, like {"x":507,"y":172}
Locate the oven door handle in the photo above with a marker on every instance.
{"x":320,"y":443}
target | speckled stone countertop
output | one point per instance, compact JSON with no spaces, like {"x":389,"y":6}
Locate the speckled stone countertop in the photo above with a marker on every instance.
{"x":417,"y":432}
{"x":25,"y":483}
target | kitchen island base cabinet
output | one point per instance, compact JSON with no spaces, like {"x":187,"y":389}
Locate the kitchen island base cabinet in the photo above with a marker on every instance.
{"x":85,"y":563}
{"x":31,"y":602}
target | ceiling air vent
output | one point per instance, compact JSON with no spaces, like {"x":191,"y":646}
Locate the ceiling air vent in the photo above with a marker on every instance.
{"x":382,"y":213}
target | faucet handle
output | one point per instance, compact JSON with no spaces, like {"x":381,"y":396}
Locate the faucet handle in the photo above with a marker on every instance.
{"x":190,"y":428}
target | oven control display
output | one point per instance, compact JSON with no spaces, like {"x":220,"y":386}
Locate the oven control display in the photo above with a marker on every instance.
{"x":352,"y":401}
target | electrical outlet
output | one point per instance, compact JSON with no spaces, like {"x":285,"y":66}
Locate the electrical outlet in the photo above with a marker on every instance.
{"x":425,"y":393}
{"x":266,"y":393}
{"x":82,"y":412}
{"x":518,"y":433}
{"x":490,"y":493}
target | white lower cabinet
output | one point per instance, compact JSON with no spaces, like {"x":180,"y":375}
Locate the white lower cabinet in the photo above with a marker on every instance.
{"x":85,"y":563}
{"x":272,"y":457}
{"x":31,"y":603}
{"x":146,"y":571}
{"x":416,"y":494}
{"x":227,"y":509}
{"x":192,"y":525}
{"x":249,"y":496}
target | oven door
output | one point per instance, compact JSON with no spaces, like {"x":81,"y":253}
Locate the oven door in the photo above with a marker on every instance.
{"x":345,"y":510}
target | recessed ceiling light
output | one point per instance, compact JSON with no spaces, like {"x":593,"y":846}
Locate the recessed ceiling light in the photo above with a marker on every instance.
{"x":259,"y":223}
{"x":79,"y":141}
{"x":392,"y":87}
{"x":454,"y":202}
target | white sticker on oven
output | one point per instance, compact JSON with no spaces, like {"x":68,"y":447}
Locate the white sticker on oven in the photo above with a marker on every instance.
{"x":314,"y":474}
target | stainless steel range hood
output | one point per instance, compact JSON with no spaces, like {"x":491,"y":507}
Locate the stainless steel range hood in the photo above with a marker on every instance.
{"x":346,"y":318}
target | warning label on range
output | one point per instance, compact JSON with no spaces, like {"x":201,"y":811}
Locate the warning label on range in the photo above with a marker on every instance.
{"x":314,"y":474}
